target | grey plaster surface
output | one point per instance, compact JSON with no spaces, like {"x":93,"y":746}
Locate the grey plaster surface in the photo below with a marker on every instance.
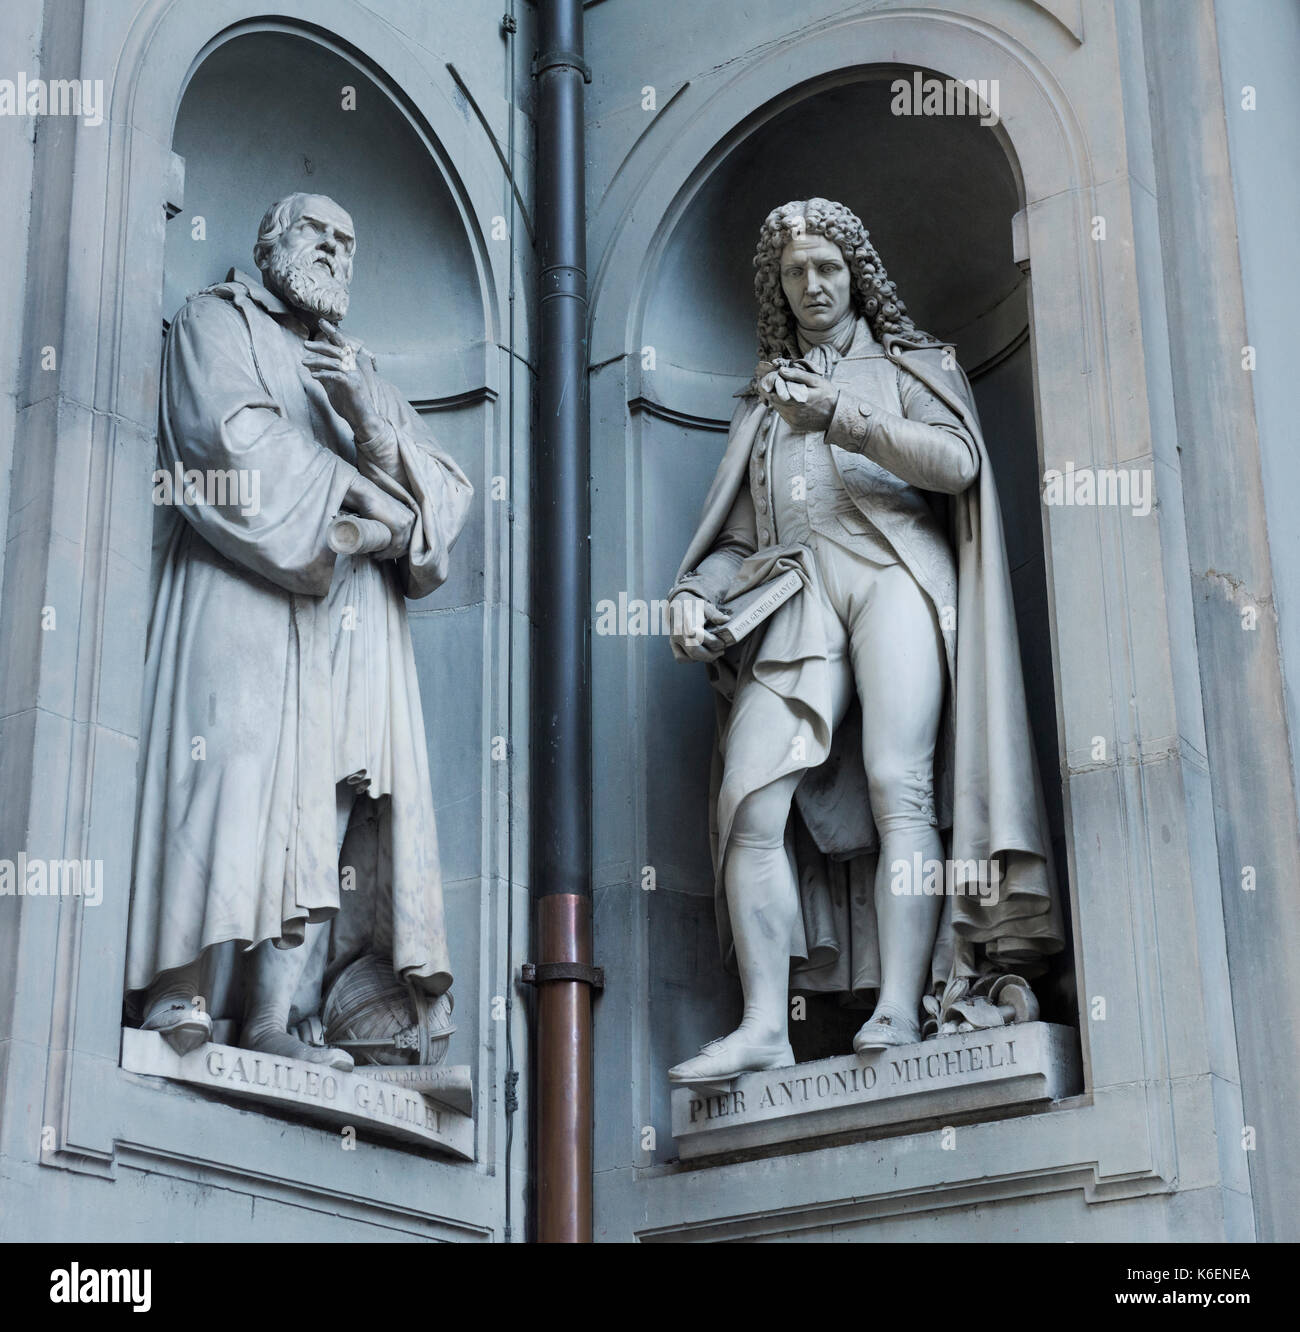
{"x":1179,"y":986}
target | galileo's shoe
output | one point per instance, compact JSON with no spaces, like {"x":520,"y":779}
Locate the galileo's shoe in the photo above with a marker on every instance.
{"x":269,"y":1040}
{"x":883,"y":1030}
{"x":183,"y":1026}
{"x":720,"y":1061}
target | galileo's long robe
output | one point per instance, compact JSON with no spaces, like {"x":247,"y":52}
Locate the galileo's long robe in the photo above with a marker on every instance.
{"x":987,"y":785}
{"x":274,"y":668}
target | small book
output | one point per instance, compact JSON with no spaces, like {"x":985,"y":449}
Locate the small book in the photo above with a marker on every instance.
{"x":750,"y":609}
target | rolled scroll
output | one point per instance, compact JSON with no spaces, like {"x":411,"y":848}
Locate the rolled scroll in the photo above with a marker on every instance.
{"x":351,"y":535}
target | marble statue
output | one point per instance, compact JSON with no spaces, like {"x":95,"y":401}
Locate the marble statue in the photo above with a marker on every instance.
{"x":282,"y":710}
{"x":878,"y":824}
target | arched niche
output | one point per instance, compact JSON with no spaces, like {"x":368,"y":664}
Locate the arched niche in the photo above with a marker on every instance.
{"x":268,"y":110}
{"x":936,"y":192}
{"x":122,"y":285}
{"x":265,"y":113}
{"x":938,"y":195}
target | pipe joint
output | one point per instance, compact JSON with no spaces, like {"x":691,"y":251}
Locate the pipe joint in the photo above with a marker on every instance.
{"x":564,"y":280}
{"x":561,"y":60}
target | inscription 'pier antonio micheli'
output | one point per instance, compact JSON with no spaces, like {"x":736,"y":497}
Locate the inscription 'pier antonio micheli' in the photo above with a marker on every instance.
{"x":1024,"y":1064}
{"x":804,"y":1090}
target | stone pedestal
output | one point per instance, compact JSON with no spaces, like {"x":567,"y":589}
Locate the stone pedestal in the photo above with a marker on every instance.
{"x":368,"y":1099}
{"x":935,"y":1081}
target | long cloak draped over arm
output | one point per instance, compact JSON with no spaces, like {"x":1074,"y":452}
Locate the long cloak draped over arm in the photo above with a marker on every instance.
{"x":236,"y":828}
{"x":429,"y":481}
{"x":998,"y":808}
{"x":987,"y":780}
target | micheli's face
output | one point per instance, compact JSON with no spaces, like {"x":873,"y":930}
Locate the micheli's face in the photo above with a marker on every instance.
{"x":816,"y":281}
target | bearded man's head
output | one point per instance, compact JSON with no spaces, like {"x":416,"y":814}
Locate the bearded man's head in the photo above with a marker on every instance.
{"x":304,"y":249}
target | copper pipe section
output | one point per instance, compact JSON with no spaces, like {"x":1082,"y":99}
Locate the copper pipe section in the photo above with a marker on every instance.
{"x":564,"y":1108}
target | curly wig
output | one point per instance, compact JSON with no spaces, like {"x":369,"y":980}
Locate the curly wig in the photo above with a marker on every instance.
{"x":874,"y":295}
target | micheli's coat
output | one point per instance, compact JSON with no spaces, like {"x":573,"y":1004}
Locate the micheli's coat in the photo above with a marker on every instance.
{"x":988,"y":792}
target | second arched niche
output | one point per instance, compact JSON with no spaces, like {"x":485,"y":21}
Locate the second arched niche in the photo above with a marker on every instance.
{"x":938,"y":195}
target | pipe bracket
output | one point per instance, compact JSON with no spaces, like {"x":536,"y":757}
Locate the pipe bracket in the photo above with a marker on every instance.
{"x":541,"y":973}
{"x":556,"y":59}
{"x":563,"y":280}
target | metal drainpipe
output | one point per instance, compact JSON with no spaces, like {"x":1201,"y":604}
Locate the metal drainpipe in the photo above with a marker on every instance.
{"x":561,"y":741}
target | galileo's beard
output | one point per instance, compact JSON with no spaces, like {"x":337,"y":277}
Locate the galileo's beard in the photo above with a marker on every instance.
{"x":300,"y":282}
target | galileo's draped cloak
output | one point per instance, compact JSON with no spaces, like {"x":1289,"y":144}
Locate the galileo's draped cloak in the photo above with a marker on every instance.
{"x":256,"y":697}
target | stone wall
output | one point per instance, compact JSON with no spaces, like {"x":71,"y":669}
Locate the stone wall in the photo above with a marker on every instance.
{"x":1163,"y":725}
{"x":1153,"y":1143}
{"x":212,"y":112}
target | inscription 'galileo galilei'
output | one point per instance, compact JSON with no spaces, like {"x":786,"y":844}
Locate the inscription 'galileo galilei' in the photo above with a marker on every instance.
{"x":780,"y":1093}
{"x":374,"y":1100}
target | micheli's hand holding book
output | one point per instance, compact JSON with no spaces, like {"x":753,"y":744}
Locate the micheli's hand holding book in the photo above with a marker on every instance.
{"x":751,"y":608}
